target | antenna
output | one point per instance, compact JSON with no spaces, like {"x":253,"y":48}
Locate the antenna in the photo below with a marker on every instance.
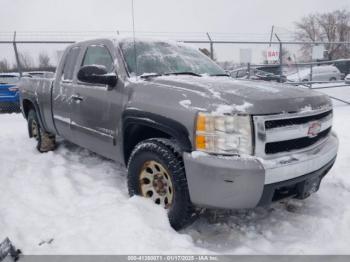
{"x":272,"y":28}
{"x":133,"y":33}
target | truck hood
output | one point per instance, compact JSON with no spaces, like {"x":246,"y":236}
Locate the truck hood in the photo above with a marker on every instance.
{"x":252,"y":97}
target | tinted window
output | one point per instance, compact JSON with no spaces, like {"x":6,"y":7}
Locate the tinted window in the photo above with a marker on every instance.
{"x":71,"y":60}
{"x":98,"y":55}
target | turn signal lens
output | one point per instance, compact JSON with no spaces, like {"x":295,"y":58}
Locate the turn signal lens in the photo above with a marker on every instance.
{"x":200,"y":142}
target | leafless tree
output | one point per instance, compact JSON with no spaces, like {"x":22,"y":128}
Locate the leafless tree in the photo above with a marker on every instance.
{"x":4,"y":65}
{"x":327,"y":27}
{"x":44,"y":60}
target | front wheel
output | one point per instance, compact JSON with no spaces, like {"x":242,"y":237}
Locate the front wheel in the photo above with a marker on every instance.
{"x":156,"y":171}
{"x":45,"y":141}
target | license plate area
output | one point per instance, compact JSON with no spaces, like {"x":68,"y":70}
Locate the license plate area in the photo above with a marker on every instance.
{"x":308,"y":187}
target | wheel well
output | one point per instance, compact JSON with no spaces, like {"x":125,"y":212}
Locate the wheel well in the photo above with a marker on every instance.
{"x":27,"y":105}
{"x":135,"y":133}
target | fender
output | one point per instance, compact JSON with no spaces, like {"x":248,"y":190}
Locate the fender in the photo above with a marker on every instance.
{"x":36,"y":107}
{"x":164,"y":124}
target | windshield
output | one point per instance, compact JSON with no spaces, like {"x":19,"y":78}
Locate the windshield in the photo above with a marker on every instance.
{"x":158,"y":57}
{"x":8,"y":79}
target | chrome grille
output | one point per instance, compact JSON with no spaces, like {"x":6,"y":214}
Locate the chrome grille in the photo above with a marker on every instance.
{"x":284,"y":133}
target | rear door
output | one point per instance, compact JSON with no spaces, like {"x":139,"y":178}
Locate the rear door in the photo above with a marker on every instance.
{"x":96,"y":110}
{"x":62,"y":93}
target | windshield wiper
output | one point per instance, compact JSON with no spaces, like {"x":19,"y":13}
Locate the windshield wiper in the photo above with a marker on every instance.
{"x":150,"y":75}
{"x":167,"y":74}
{"x":220,"y":75}
{"x":183,"y":73}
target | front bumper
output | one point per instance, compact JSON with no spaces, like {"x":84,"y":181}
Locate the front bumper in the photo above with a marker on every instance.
{"x":236,"y":182}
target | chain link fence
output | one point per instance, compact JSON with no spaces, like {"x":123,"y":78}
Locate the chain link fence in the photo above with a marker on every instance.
{"x":40,"y":51}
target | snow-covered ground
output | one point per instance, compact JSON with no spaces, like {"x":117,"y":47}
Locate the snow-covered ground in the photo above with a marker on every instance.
{"x":72,"y":201}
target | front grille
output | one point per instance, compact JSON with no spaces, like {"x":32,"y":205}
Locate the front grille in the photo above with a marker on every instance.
{"x":283,"y":133}
{"x":294,"y":144}
{"x":295,"y":121}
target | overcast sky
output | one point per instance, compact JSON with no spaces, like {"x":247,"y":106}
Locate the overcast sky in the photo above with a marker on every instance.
{"x":251,"y":17}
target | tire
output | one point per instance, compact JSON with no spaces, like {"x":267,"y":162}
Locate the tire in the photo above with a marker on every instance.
{"x":332,"y":79}
{"x":45,"y":141}
{"x":142,"y":166}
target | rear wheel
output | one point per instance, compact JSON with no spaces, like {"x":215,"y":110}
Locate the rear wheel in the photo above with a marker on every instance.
{"x":156,"y":171}
{"x":332,"y":79}
{"x":45,"y":141}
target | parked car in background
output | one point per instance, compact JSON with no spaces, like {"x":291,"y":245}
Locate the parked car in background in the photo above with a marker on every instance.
{"x":319,"y":73}
{"x":347,"y":79}
{"x":266,"y":76}
{"x":39,"y":74}
{"x":343,"y":66}
{"x":9,"y":90}
{"x":240,"y":73}
{"x":9,"y":95}
{"x":270,"y":68}
{"x":256,"y":74}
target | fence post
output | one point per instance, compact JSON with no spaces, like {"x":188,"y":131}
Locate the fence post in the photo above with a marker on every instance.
{"x":19,"y":67}
{"x":280,"y":57}
{"x":310,"y":76}
{"x":248,"y":70}
{"x":211,"y":47}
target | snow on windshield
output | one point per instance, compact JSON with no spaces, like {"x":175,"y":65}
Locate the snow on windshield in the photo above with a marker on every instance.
{"x":160,"y":57}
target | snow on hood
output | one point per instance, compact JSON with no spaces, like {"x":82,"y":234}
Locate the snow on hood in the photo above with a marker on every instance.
{"x":253,"y":97}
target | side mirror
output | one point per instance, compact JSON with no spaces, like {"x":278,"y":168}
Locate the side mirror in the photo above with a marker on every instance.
{"x":97,"y":74}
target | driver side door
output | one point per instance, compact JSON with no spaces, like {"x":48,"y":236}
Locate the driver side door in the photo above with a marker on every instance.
{"x":95,"y":107}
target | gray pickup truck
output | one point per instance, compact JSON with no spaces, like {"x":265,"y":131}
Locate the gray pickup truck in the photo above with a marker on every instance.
{"x":190,"y":136}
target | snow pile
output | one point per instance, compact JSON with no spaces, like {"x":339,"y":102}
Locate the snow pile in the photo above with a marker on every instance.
{"x":71,"y":202}
{"x":188,"y":104}
{"x":185,"y":103}
{"x":299,"y":75}
{"x":226,"y":109}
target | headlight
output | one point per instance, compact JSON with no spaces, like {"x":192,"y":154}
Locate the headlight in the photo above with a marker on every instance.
{"x":224,"y":134}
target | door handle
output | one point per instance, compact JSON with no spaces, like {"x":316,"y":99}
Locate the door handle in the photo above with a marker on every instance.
{"x":77,"y":98}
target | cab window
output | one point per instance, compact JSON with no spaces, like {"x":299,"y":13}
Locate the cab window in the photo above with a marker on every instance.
{"x":98,"y":55}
